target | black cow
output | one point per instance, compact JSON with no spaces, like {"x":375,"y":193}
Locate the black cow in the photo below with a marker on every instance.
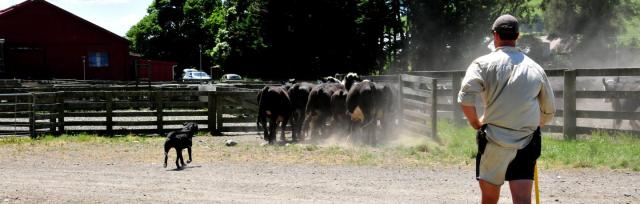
{"x":368,"y":104}
{"x":274,"y":105}
{"x":319,"y":109}
{"x":361,"y":105}
{"x":339,"y":115}
{"x":623,"y":104}
{"x":299,"y":95}
{"x":384,"y":108}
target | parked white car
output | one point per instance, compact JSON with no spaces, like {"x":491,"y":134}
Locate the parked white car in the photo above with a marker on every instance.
{"x":231,"y":77}
{"x":194,"y":74}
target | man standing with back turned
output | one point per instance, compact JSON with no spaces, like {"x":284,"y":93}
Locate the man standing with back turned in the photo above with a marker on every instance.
{"x":517,"y":100}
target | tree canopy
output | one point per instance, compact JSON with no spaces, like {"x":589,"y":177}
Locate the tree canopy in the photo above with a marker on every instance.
{"x":308,"y":39}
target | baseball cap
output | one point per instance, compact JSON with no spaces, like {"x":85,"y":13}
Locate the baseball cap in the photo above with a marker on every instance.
{"x":505,"y":24}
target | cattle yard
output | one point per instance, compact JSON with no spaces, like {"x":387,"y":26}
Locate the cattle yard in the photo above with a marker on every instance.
{"x":427,"y":98}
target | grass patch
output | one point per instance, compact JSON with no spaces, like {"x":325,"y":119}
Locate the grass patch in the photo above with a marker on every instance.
{"x":457,"y":147}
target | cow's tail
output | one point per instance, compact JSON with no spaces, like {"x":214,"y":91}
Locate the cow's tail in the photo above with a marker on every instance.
{"x":261,"y":115}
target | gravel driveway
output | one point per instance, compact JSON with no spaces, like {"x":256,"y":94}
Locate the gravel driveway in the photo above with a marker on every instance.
{"x":93,"y":174}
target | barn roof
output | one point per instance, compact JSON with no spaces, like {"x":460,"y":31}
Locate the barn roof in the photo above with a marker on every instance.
{"x":26,"y":4}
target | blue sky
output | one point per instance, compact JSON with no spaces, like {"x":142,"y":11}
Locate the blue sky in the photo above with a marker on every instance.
{"x":116,"y":16}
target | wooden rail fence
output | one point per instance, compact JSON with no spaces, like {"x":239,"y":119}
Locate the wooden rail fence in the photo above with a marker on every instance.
{"x":424,"y":98}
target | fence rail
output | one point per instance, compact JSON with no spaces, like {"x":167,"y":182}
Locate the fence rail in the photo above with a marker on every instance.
{"x":423,"y":98}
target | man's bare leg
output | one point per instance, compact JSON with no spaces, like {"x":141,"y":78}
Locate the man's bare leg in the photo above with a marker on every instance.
{"x":521,"y":191}
{"x":490,"y":192}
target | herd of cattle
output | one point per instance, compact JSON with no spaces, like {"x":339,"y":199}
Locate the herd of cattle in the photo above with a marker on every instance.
{"x":354,"y":108}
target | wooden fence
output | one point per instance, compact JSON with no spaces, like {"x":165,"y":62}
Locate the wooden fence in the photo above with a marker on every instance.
{"x":567,"y":95}
{"x":121,"y":112}
{"x":232,"y":109}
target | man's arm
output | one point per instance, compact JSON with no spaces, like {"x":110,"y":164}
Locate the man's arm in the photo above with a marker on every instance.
{"x":546,"y":100}
{"x":472,"y":117}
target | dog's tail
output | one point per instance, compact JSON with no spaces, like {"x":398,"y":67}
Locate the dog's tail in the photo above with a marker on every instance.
{"x":167,"y":147}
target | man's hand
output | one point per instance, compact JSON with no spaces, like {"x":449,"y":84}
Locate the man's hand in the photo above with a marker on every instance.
{"x":472,"y":117}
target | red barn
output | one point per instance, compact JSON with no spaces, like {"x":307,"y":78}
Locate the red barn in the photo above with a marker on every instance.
{"x":43,"y":41}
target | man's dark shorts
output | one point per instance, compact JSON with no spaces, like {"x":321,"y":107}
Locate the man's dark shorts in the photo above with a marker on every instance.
{"x":523,"y":165}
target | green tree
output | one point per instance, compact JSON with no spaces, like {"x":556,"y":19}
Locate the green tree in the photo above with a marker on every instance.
{"x":449,"y":34}
{"x":175,"y":30}
{"x":590,"y":28}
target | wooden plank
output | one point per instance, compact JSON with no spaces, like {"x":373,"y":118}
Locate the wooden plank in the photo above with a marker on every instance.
{"x":608,"y":72}
{"x":416,"y":115}
{"x":85,"y":123}
{"x":415,"y":92}
{"x":420,"y":129}
{"x":239,"y":129}
{"x":608,"y":115}
{"x":180,"y":122}
{"x":45,"y":107}
{"x":437,"y":74}
{"x":72,"y":106}
{"x":14,"y":123}
{"x":251,"y":119}
{"x":382,"y":78}
{"x":413,"y":104}
{"x":608,"y":94}
{"x":184,"y":104}
{"x":86,"y":114}
{"x":118,"y":105}
{"x":187,"y":113}
{"x":20,"y":114}
{"x":569,"y":97}
{"x":416,"y":79}
{"x":15,"y":107}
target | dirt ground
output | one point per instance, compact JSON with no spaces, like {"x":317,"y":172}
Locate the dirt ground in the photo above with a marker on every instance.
{"x":114,"y":174}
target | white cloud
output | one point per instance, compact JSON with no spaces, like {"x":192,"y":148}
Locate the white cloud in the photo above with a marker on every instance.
{"x":6,"y":3}
{"x":96,"y":2}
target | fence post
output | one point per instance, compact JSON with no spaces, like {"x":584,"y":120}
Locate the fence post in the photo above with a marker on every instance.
{"x":60,"y":98}
{"x":434,"y":109}
{"x":159,"y":113}
{"x":400,"y":99}
{"x":456,"y":81}
{"x":32,"y":116}
{"x":52,"y":113}
{"x":211,"y":111}
{"x":109,"y":107}
{"x":569,"y":111}
{"x":218,"y":105}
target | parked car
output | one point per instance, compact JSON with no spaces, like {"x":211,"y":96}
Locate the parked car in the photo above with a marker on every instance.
{"x":194,"y":74}
{"x":231,"y":78}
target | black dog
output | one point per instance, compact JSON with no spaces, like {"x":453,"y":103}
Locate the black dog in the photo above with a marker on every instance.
{"x":180,"y":140}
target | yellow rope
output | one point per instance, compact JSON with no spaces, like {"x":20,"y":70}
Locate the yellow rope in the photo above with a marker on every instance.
{"x":535,"y":180}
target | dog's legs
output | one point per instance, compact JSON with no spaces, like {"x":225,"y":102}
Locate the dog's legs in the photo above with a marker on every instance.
{"x":189,"y":151}
{"x":166,"y":156}
{"x":178,"y":157}
{"x":182,"y":159}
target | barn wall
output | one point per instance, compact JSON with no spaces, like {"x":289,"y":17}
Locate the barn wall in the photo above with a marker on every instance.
{"x":44,"y":41}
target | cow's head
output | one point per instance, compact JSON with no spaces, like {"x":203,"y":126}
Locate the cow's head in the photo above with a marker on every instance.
{"x":329,"y":79}
{"x":350,"y":79}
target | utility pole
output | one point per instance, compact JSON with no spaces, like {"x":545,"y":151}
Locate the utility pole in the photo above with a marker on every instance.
{"x":84,"y":67}
{"x":200,"y":55}
{"x":1,"y":55}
